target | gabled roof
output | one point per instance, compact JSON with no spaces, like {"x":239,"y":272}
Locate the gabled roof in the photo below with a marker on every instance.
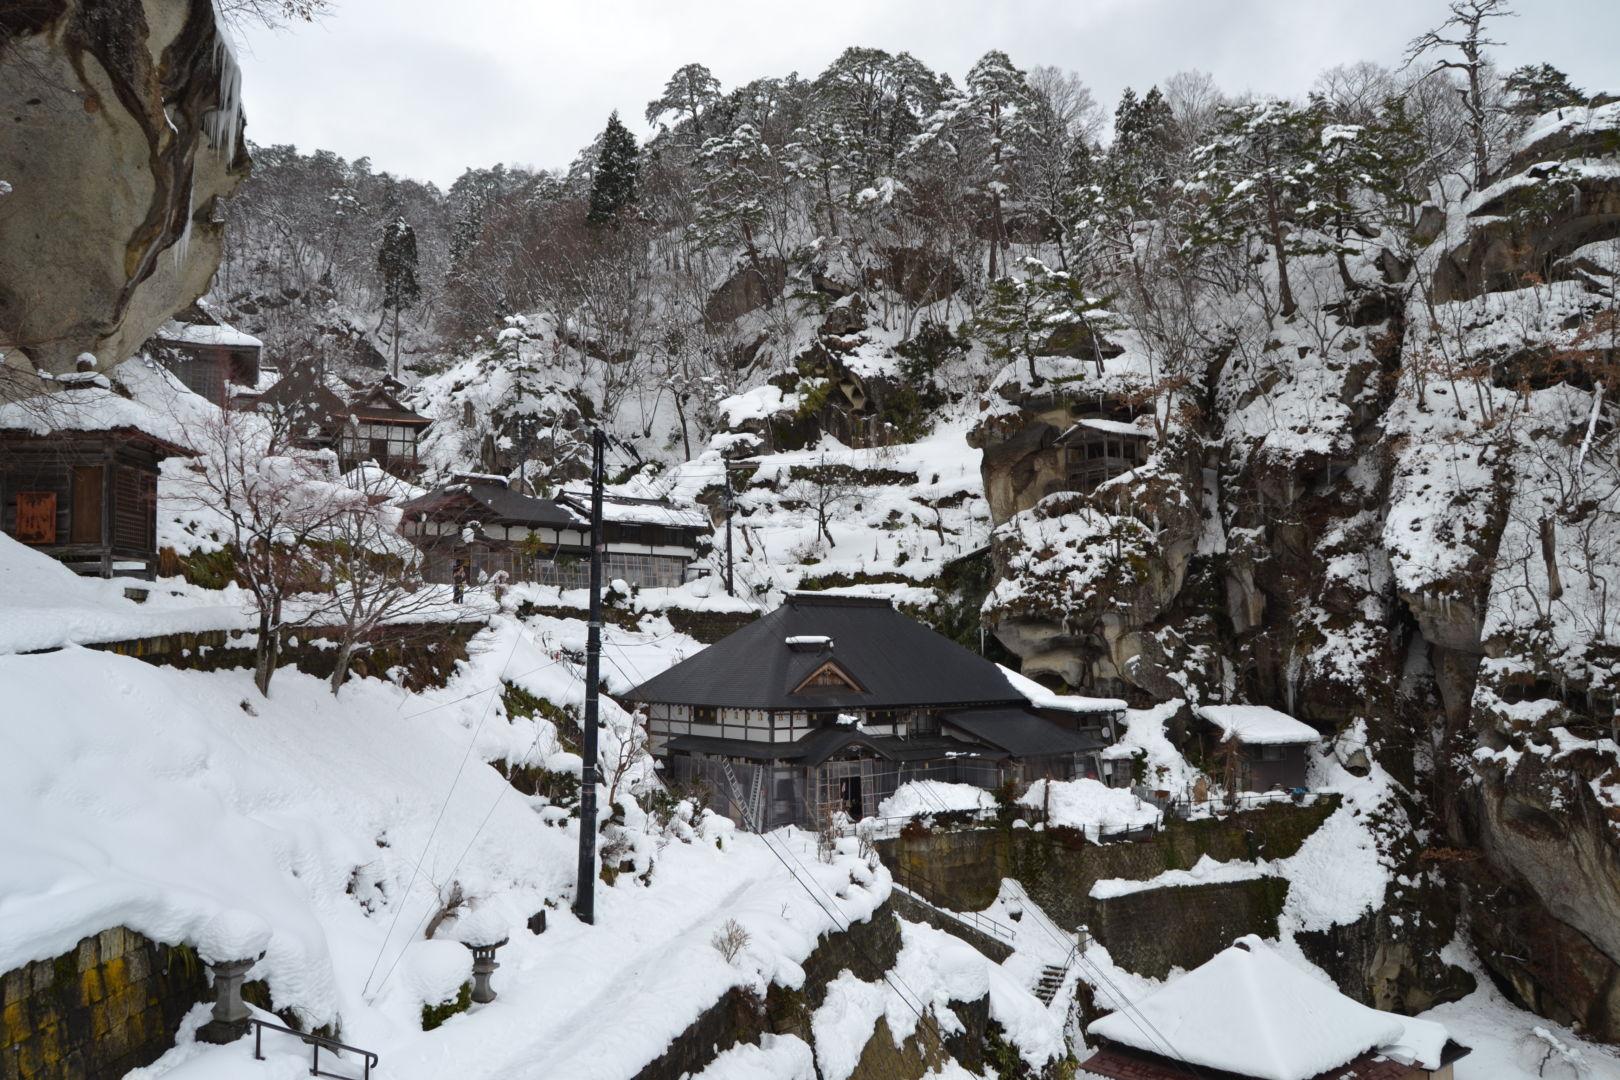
{"x":377,"y":403}
{"x":490,"y":504}
{"x":899,"y":662}
{"x":92,"y":405}
{"x":223,"y":335}
{"x":1250,"y":1012}
{"x":1258,"y":725}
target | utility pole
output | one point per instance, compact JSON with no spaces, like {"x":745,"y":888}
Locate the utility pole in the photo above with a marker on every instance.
{"x":585,"y":888}
{"x":729,"y":590}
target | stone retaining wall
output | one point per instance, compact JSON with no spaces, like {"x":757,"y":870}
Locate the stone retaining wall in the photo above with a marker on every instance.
{"x":110,"y":1005}
{"x":708,"y":626}
{"x":428,"y":652}
{"x":1181,"y":926}
{"x":909,"y":907}
{"x":1058,"y":867}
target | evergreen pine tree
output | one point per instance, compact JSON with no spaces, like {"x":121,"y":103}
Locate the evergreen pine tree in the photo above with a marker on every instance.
{"x":1540,"y":88}
{"x":618,"y":167}
{"x":396,"y":262}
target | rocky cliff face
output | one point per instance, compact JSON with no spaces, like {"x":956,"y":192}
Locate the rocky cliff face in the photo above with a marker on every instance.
{"x":123,"y":127}
{"x":1394,"y":513}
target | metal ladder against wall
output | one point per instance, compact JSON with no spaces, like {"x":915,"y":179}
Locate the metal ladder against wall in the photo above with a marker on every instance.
{"x":750,"y":819}
{"x":756,"y":797}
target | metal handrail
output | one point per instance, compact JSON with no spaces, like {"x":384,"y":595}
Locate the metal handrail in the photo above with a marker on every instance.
{"x":315,"y":1043}
{"x":909,"y":880}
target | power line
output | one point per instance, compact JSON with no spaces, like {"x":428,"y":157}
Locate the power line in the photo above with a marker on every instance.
{"x":445,"y":805}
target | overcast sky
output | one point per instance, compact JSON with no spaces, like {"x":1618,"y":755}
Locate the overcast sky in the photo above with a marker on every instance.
{"x":428,"y":87}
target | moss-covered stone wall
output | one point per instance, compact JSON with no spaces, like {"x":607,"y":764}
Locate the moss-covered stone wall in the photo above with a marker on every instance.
{"x":1181,"y":926}
{"x":708,"y":626}
{"x":427,"y":654}
{"x":963,"y":869}
{"x":110,"y":1005}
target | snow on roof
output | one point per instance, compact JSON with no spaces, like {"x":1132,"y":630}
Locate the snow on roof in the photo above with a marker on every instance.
{"x":1251,"y":1012}
{"x":1258,"y":725}
{"x":88,"y":406}
{"x":1042,"y":698}
{"x":1113,"y":427}
{"x":197,"y":334}
{"x":632,"y":511}
{"x":806,"y":639}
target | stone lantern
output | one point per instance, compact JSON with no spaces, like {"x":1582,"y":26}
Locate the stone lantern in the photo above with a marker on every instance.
{"x":484,"y":966}
{"x":230,"y":1019}
{"x":230,"y":944}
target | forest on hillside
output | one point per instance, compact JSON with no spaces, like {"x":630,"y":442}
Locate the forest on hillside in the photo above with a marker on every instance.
{"x":926,"y":193}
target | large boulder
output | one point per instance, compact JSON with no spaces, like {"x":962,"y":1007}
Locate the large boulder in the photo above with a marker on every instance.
{"x":123,"y":127}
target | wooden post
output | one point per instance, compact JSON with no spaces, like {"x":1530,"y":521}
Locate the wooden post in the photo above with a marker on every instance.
{"x":106,"y":513}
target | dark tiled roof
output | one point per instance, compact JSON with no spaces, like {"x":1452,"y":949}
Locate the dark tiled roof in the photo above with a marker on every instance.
{"x":1021,"y":734}
{"x":500,"y":506}
{"x":897,"y":661}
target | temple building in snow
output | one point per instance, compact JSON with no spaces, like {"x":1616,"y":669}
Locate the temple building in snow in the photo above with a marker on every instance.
{"x":831,"y":702}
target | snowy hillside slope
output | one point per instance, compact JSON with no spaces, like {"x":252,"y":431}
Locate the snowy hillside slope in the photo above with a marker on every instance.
{"x":328,"y":830}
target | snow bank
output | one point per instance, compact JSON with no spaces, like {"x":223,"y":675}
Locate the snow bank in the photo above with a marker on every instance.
{"x":925,"y":797}
{"x":776,"y":1057}
{"x":1089,"y":805}
{"x":1206,"y":871}
{"x":46,"y":605}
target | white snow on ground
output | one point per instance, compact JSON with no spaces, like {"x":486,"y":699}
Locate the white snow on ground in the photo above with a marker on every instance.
{"x":1165,"y":769}
{"x":1337,"y":875}
{"x":186,"y":806}
{"x":892,"y":537}
{"x":47,"y":605}
{"x":933,"y":969}
{"x":1089,"y":805}
{"x":927,"y":797}
{"x":1508,"y":1043}
{"x":776,"y":1057}
{"x":1206,"y":871}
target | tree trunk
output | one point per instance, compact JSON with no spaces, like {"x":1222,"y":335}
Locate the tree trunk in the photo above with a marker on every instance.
{"x":340,"y":673}
{"x":680,"y":414}
{"x":1549,"y":556}
{"x":1285,"y":293}
{"x":396,"y":341}
{"x":267,"y":653}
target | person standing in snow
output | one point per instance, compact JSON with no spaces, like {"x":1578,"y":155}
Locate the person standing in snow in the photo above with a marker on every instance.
{"x":458,"y":579}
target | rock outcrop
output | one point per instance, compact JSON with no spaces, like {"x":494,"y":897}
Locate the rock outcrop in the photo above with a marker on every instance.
{"x":1399,"y":522}
{"x":123,"y":127}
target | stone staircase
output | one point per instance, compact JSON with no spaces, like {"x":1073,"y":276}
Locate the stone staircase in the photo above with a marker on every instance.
{"x":1051,"y":981}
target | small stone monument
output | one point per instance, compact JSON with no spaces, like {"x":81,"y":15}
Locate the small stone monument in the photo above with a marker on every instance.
{"x":230,"y":944}
{"x":482,"y":934}
{"x":230,"y":1019}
